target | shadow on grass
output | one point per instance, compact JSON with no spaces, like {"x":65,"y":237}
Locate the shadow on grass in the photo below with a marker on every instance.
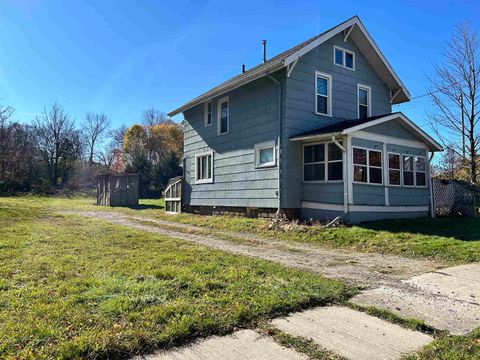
{"x":146,"y":207}
{"x":464,"y":229}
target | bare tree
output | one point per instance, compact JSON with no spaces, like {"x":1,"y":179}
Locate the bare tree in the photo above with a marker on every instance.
{"x":455,"y":93}
{"x":152,"y":117}
{"x":6,"y":139}
{"x":95,"y":129}
{"x":56,"y":138}
{"x":118,"y":135}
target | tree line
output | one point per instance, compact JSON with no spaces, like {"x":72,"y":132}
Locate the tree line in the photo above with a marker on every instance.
{"x":53,"y":154}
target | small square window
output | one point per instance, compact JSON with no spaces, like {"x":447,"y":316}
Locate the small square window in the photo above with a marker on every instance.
{"x":344,"y":58}
{"x":265,"y":154}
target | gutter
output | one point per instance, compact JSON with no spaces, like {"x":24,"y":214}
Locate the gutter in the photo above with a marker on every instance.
{"x":279,"y":141}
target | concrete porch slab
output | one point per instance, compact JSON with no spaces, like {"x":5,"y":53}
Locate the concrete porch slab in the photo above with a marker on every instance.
{"x":352,"y":334}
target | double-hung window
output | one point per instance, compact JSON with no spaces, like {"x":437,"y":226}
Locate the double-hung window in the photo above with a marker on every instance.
{"x":408,"y":172}
{"x":367,"y":166}
{"x":322,"y":162}
{"x":394,"y":170}
{"x":344,"y":58}
{"x":323,"y":94}
{"x":265,"y":154}
{"x":204,"y":168}
{"x":420,"y":171}
{"x":208,"y":113}
{"x":364,"y":101}
{"x":223,"y":115}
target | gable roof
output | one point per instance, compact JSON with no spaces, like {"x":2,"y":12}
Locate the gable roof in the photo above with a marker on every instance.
{"x":352,"y":27}
{"x":351,"y":126}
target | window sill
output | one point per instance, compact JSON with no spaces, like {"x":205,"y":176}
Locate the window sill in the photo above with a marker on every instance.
{"x":220,"y":134}
{"x":263,"y":166}
{"x":206,"y":181}
{"x":367,"y":183}
{"x":323,"y":182}
{"x":320,"y":114}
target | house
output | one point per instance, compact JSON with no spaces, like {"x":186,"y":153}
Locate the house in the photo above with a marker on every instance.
{"x":309,"y":133}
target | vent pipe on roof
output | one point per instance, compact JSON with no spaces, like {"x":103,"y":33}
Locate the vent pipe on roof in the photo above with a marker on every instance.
{"x":243,"y":68}
{"x":264,"y":43}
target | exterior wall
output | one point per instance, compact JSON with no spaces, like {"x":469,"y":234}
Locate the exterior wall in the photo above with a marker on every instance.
{"x":237,"y":182}
{"x":356,"y":217}
{"x":300,"y":108}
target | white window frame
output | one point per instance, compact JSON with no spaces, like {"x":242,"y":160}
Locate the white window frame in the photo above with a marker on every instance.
{"x":368,"y":166}
{"x":204,"y":181}
{"x":326,"y":161}
{"x":344,"y":51}
{"x":329,"y":93}
{"x":221,"y":101}
{"x":262,"y":146}
{"x":401,"y":169}
{"x":415,"y":171}
{"x":206,"y":113}
{"x":369,"y":99}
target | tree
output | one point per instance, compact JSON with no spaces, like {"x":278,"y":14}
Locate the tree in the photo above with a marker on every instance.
{"x":57,"y":140}
{"x":455,"y":93}
{"x":95,"y":129}
{"x":152,"y":117}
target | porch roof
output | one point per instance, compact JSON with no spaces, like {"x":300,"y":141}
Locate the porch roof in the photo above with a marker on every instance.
{"x":345,"y":127}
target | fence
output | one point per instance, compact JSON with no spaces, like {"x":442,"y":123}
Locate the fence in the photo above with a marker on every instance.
{"x":455,"y":198}
{"x":173,"y":195}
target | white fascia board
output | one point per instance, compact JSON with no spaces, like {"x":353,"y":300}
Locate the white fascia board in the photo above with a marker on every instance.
{"x":316,"y":137}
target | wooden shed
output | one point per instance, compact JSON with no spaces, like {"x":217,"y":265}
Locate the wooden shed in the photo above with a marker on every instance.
{"x":117,"y":189}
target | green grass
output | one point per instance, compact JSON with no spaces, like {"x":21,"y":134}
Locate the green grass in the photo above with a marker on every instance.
{"x":72,"y":287}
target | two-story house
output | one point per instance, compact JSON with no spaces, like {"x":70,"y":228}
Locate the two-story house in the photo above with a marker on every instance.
{"x":309,"y":133}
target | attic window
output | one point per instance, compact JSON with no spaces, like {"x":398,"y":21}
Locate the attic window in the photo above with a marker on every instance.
{"x":344,"y":58}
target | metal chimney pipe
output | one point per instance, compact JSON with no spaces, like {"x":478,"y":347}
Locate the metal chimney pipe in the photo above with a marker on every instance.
{"x":243,"y":68}
{"x":264,"y":43}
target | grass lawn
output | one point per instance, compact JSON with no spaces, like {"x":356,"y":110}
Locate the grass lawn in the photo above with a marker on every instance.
{"x":73,"y":287}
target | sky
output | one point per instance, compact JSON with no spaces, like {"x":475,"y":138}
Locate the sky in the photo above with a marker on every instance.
{"x":122,"y":57}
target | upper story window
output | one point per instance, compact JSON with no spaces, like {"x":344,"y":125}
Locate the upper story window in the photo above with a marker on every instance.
{"x":322,"y":162}
{"x":223,"y":115}
{"x":204,"y":168}
{"x":265,"y":154}
{"x":364,"y":100}
{"x":323,"y":94}
{"x":367,"y":166}
{"x":208,"y":113}
{"x":343,"y":57}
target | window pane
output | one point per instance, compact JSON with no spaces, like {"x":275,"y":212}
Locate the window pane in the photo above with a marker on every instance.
{"x":421,"y":179}
{"x":319,"y":153}
{"x":420,"y":164}
{"x":375,"y":158}
{"x":314,"y":172}
{"x":224,"y":117}
{"x":198,"y":169}
{"x":408,"y":178}
{"x":308,"y":154}
{"x":360,"y":173}
{"x":209,"y":113}
{"x":394,"y":161}
{"x":204,"y":168}
{"x":338,"y":57}
{"x":408,"y":163}
{"x":394,"y":177}
{"x":334,"y":152}
{"x":224,"y":125}
{"x":266,"y":156}
{"x":322,"y":86}
{"x":335,"y":171}
{"x":349,"y":60}
{"x":362,"y":96}
{"x":209,"y":167}
{"x":359,"y":156}
{"x":322,"y":104}
{"x":375,"y":176}
{"x":362,"y":112}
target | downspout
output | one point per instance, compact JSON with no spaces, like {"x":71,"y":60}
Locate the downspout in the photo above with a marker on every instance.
{"x":430,"y":185}
{"x":279,"y":141}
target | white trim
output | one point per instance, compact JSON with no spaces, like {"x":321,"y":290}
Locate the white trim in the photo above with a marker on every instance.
{"x":365,"y":135}
{"x":363,"y":208}
{"x":205,"y":114}
{"x":350,"y":170}
{"x":368,"y":89}
{"x":209,"y":180}
{"x":291,"y":66}
{"x":347,"y":33}
{"x":221,"y":101}
{"x":368,"y":166}
{"x":344,"y":57}
{"x":329,"y":93}
{"x":393,"y":95}
{"x":262,"y":146}
{"x":386,"y":175}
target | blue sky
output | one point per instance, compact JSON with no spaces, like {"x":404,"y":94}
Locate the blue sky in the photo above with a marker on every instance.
{"x":121,"y":57}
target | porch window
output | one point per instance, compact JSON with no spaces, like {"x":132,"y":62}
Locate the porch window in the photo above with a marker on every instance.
{"x":364,"y":100}
{"x":367,"y":166}
{"x":223,"y":116}
{"x":322,"y":162}
{"x":204,"y":168}
{"x":394,"y":171}
{"x":420,"y":171}
{"x":323,"y":94}
{"x":408,"y":173}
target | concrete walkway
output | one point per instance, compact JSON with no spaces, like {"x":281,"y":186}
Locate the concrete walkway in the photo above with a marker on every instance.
{"x":448,"y":299}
